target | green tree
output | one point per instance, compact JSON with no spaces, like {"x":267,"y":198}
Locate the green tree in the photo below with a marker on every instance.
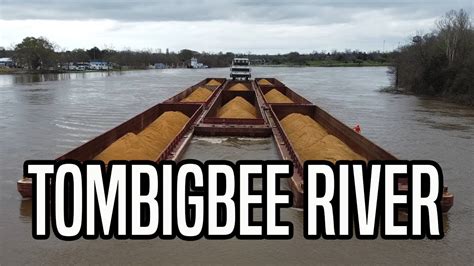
{"x":186,"y":55}
{"x":35,"y":53}
{"x":3,"y":52}
{"x":294,"y":57}
{"x":79,"y":55}
{"x":95,"y":53}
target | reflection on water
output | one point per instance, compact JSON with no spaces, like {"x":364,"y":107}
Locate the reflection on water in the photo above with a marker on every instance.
{"x":44,"y":116}
{"x":29,"y":78}
{"x":26,"y":210}
{"x":446,"y":126}
{"x":38,"y":96}
{"x":446,"y":223}
{"x":440,"y":116}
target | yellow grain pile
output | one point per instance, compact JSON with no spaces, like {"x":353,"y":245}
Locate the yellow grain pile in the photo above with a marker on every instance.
{"x":264,"y":82}
{"x":274,"y":96}
{"x":213,"y":82}
{"x":149,"y":143}
{"x":160,"y":133}
{"x":239,"y":87}
{"x":312,"y":142}
{"x":200,"y":94}
{"x":128,"y":147}
{"x":237,"y":108}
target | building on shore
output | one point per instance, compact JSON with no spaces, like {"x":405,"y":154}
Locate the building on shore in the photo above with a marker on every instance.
{"x":159,"y":66}
{"x":83,"y":66}
{"x":99,"y":65}
{"x":6,"y":62}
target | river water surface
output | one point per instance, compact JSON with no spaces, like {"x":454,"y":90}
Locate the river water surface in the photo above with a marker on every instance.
{"x":44,"y":116}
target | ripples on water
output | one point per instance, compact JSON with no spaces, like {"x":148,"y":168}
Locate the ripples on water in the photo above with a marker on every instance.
{"x":43,"y":116}
{"x":231,"y":149}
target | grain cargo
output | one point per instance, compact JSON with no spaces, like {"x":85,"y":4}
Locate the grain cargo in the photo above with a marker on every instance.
{"x":264,"y":82}
{"x":330,"y":149}
{"x":128,"y":147}
{"x":201,"y":94}
{"x":213,"y":82}
{"x":149,"y":143}
{"x":275,"y":96}
{"x":312,"y":142}
{"x":239,"y":87}
{"x":237,"y":108}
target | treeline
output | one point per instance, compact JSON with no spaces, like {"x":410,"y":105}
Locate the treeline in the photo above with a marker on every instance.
{"x":440,"y":63}
{"x":40,"y":54}
{"x":333,"y":58}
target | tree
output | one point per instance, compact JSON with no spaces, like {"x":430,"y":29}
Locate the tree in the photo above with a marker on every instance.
{"x":441,"y":62}
{"x":3,"y":52}
{"x":186,"y":54}
{"x":293,"y":57}
{"x":79,"y":55}
{"x":35,"y":53}
{"x":94,"y":53}
{"x":453,"y":30}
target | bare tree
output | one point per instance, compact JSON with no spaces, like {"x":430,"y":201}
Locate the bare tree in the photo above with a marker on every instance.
{"x":453,"y":29}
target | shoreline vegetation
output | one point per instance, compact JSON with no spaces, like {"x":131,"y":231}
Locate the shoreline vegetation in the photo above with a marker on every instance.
{"x":282,"y":63}
{"x":39,"y":55}
{"x":439,"y":64}
{"x":330,"y":63}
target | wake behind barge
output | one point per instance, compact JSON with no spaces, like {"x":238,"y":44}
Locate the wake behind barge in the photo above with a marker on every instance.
{"x":204,"y":121}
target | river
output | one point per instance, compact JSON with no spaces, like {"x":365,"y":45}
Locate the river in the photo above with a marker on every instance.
{"x":43,"y":116}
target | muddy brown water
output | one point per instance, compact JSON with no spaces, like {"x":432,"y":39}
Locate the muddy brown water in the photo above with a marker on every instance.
{"x":43,"y":116}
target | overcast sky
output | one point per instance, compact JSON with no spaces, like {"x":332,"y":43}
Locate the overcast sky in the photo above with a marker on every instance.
{"x":255,"y":26}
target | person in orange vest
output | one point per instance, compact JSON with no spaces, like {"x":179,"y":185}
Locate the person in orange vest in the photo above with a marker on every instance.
{"x":357,"y":128}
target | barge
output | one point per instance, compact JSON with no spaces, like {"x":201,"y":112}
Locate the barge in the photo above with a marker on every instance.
{"x":262,"y":95}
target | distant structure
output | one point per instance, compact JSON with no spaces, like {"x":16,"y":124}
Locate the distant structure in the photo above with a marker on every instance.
{"x":196,"y":64}
{"x":98,"y":65}
{"x":160,"y":66}
{"x":6,"y":62}
{"x":83,"y":66}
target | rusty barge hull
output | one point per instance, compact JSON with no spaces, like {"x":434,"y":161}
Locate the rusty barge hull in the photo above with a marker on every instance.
{"x":204,"y":122}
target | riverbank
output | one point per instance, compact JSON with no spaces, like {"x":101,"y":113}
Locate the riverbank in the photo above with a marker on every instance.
{"x":20,"y":71}
{"x":357,"y":63}
{"x":466,"y":100}
{"x":7,"y":70}
{"x":332,"y":64}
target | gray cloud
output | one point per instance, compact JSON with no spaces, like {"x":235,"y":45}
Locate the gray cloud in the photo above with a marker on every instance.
{"x":237,"y":25}
{"x":299,"y":11}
